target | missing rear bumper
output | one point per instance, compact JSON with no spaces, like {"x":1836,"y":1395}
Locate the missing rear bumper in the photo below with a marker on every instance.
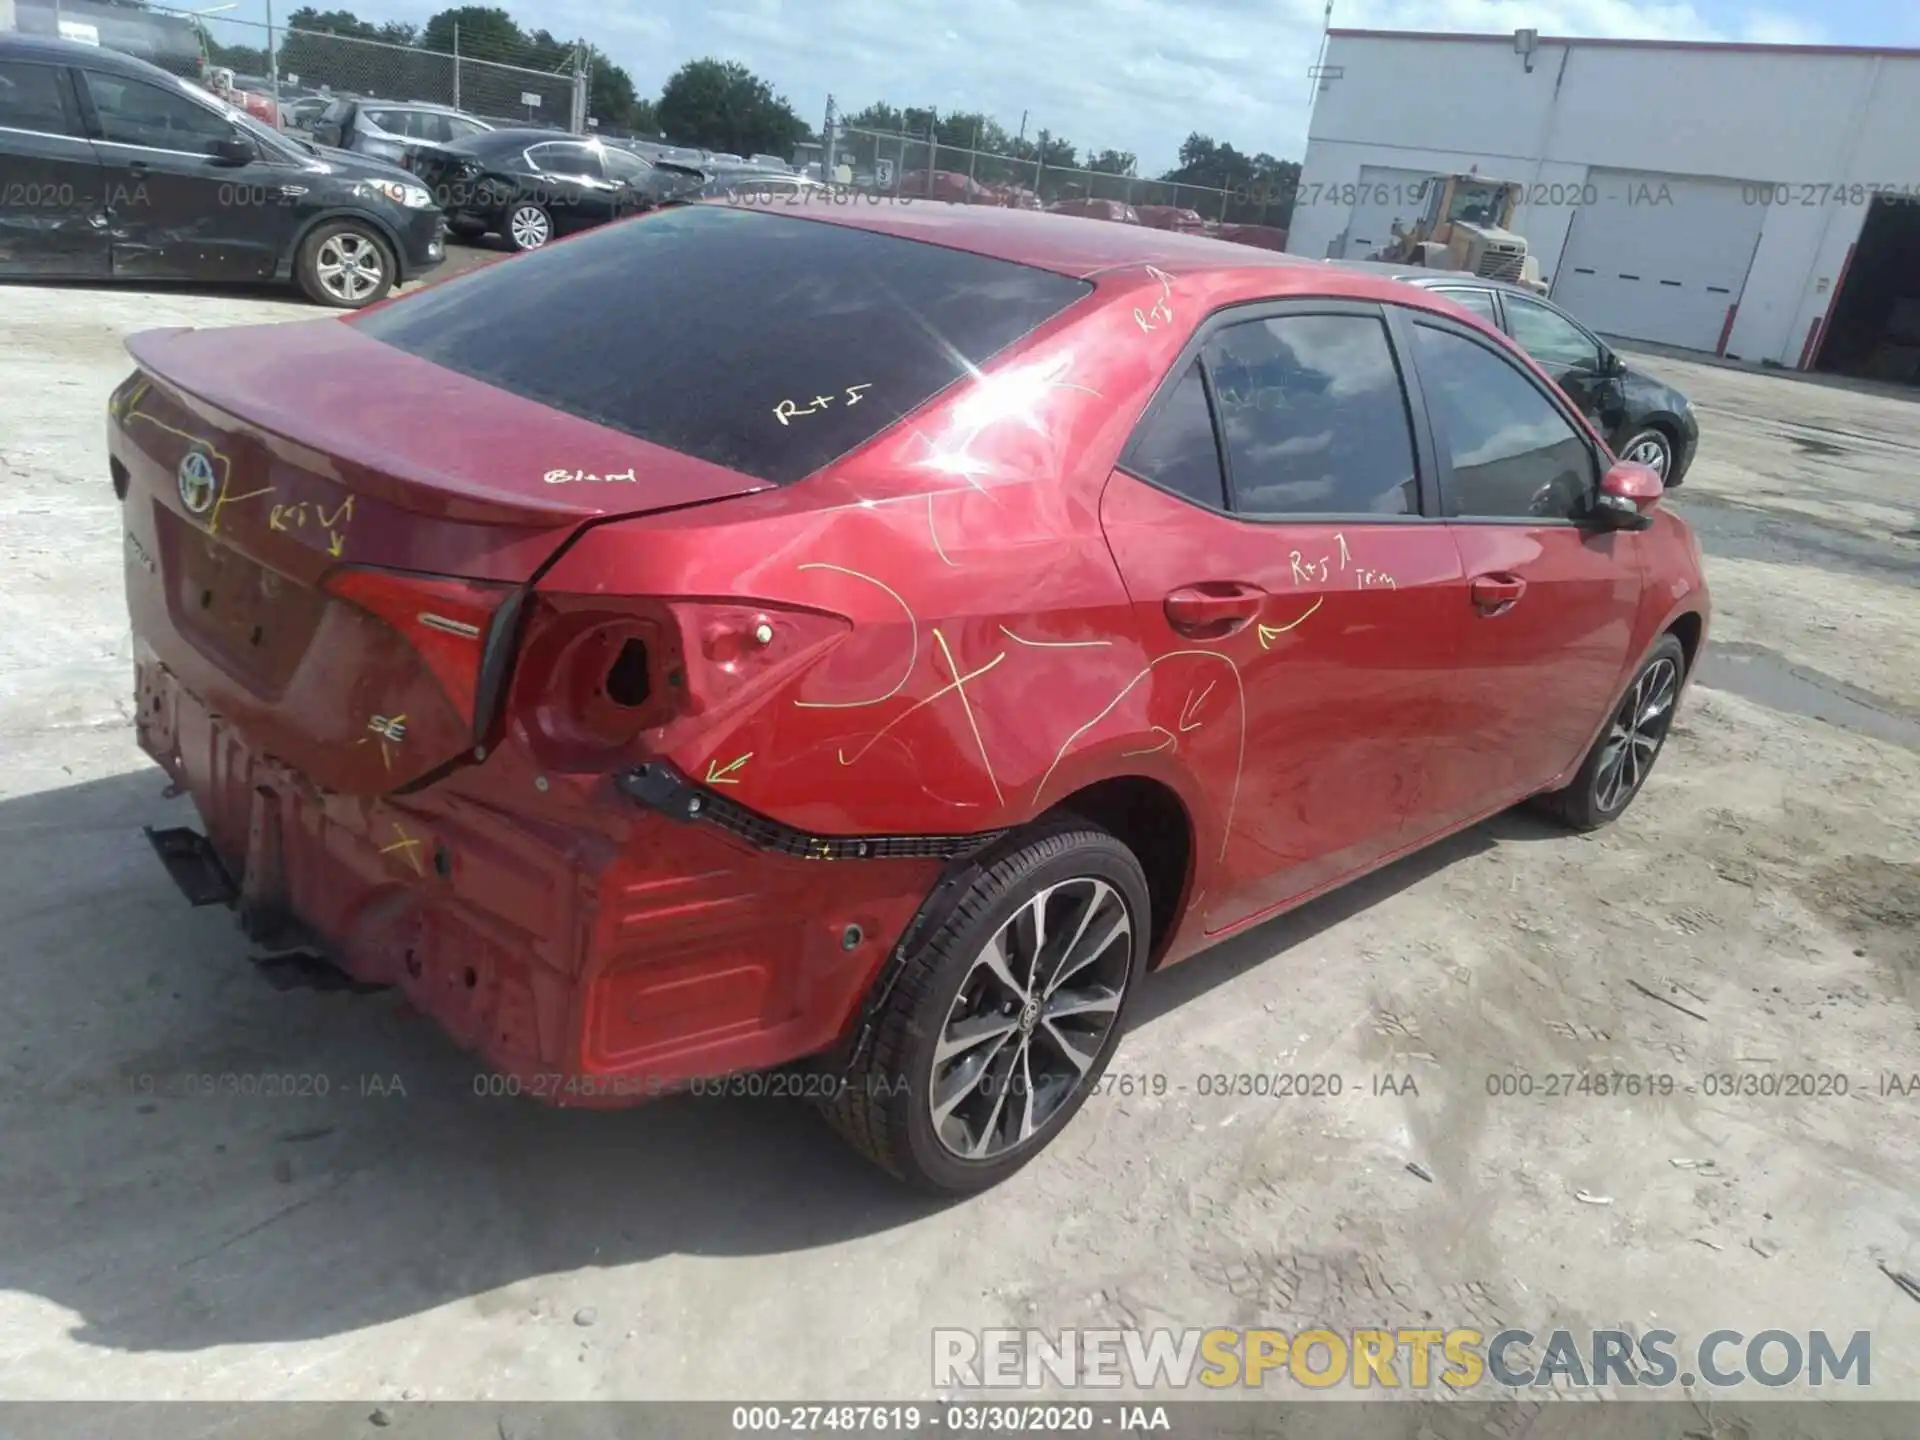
{"x":658,"y":786}
{"x":193,"y":865}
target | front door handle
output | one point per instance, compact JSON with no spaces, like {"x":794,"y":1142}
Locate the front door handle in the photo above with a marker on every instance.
{"x":1213,"y":608}
{"x":1497,"y":593}
{"x":138,"y":167}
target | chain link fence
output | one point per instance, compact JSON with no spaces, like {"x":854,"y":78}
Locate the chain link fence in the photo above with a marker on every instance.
{"x":307,"y":67}
{"x":916,"y":165}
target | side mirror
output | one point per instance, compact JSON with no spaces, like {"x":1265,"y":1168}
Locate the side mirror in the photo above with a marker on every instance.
{"x":235,"y":151}
{"x":1628,"y":494}
{"x":1611,"y":365}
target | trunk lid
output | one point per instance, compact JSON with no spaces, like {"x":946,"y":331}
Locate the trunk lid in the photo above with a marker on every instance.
{"x":333,"y":535}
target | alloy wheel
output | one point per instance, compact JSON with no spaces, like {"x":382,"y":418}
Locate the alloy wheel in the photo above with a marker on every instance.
{"x":1634,"y":735}
{"x":350,"y":266}
{"x":1649,"y":449}
{"x":529,"y":227}
{"x":1031,"y":1018}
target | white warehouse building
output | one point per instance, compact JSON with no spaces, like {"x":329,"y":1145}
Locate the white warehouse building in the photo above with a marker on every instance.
{"x":1758,"y":201}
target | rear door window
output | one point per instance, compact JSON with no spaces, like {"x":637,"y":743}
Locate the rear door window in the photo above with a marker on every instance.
{"x":1314,"y":416}
{"x":579,"y":162}
{"x":768,"y":343}
{"x":623,"y":166}
{"x":134,"y":112}
{"x":31,"y":98}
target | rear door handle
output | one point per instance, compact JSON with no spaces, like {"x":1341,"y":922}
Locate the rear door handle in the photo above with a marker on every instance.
{"x":138,"y":167}
{"x":1213,"y":608}
{"x":1494,"y":594}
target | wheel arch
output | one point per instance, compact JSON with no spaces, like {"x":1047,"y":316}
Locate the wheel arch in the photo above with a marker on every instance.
{"x":1689,"y":627}
{"x":1150,"y":819}
{"x":387,"y":234}
{"x":1667,"y":423}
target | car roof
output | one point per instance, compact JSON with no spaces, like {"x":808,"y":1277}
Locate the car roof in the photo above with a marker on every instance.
{"x":1427,"y":279}
{"x":1068,"y":244}
{"x":431,"y":106}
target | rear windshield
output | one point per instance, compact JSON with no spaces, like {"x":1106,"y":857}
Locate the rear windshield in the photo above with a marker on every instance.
{"x":766,"y":343}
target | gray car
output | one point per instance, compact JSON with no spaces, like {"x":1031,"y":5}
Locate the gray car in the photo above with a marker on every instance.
{"x":392,"y":130}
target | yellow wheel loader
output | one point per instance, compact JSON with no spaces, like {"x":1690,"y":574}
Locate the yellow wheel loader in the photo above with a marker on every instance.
{"x":1465,"y":228}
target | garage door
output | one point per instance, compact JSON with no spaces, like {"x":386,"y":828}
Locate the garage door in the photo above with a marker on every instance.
{"x":1660,"y":264}
{"x":1383,"y":196}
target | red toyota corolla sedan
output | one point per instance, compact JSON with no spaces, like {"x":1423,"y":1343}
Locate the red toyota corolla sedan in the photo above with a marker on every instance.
{"x":874,"y":638}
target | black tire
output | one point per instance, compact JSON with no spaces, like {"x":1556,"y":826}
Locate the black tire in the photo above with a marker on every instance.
{"x":884,"y":1103}
{"x":345,"y":264}
{"x":1593,"y":798}
{"x":1650,"y":445}
{"x":526,"y":226}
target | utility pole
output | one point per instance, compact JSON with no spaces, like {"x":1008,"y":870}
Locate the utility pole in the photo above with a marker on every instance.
{"x":933,"y":148}
{"x":273,"y":64}
{"x":456,"y":64}
{"x":829,"y":132}
{"x":1040,"y":163}
{"x":973,"y":155}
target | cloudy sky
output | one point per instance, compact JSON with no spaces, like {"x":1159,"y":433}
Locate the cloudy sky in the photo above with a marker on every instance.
{"x":1127,"y":74}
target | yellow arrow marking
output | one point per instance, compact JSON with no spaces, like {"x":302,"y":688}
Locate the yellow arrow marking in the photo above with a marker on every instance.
{"x":718,"y":776}
{"x":335,"y":544}
{"x":1193,"y":703}
{"x":1270,"y":633}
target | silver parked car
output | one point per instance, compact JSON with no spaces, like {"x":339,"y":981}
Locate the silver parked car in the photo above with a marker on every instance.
{"x":392,"y":130}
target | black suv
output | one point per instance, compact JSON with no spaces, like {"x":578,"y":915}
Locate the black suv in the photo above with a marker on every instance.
{"x":110,"y":168}
{"x":1643,"y":419}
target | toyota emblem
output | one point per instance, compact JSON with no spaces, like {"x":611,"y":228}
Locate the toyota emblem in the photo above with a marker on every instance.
{"x":197,"y":485}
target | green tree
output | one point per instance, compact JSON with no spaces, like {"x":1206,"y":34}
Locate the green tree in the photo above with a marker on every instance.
{"x":333,"y":22}
{"x":610,"y":93}
{"x":241,"y":59}
{"x":1261,"y":188}
{"x":484,"y":32}
{"x":1113,"y":162}
{"x":723,"y":105}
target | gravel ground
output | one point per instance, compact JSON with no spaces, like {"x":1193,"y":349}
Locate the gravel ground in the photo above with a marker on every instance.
{"x":404,"y":1237}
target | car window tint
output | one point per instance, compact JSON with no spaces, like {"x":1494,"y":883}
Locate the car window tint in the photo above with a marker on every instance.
{"x":1514,"y":454}
{"x":133,"y":112}
{"x":30,"y":99}
{"x":575,"y":160}
{"x":458,"y":129}
{"x":623,"y":166}
{"x":1176,"y":447}
{"x":1552,"y":339}
{"x":1315,"y":417}
{"x":761,"y":341}
{"x":1478,"y":301}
